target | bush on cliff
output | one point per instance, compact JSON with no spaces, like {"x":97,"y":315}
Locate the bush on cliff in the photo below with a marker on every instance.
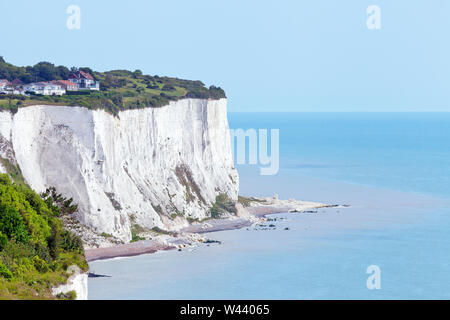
{"x":119,"y":89}
{"x":223,"y":206}
{"x":35,"y":250}
{"x":4,"y":272}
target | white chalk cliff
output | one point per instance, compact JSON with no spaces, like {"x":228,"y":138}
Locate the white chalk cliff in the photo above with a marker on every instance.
{"x":140,"y":167}
{"x":78,"y":282}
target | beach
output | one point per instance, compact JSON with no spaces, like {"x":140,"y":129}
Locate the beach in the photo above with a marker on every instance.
{"x":247,"y":216}
{"x":398,"y":219}
{"x":320,"y":254}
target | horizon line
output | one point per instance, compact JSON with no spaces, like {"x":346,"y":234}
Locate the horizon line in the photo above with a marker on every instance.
{"x":370,"y":111}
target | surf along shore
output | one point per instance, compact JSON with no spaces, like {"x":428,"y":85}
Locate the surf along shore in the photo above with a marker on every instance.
{"x":254,"y":211}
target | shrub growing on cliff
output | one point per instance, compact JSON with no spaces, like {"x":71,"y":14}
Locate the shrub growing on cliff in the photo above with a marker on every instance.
{"x":35,"y":250}
{"x":4,"y":272}
{"x":71,"y":295}
{"x":57,"y":203}
{"x":224,"y":205}
{"x":12,"y":225}
{"x":3,"y":240}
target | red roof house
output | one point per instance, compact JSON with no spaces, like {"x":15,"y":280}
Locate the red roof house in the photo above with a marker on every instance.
{"x":84,"y":81}
{"x":66,"y":84}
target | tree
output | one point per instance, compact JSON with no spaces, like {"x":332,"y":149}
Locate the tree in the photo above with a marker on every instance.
{"x":3,"y":240}
{"x":137,"y":74}
{"x":11,"y":224}
{"x":4,"y":272}
{"x":45,"y":71}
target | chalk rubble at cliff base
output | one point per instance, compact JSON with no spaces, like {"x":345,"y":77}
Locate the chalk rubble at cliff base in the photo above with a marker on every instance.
{"x":136,"y":169}
{"x":195,"y":233}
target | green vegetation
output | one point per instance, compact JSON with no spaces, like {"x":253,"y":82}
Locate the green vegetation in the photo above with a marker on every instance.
{"x":246,"y":202}
{"x":176,"y":214}
{"x":57,"y":201}
{"x":191,"y":220}
{"x":13,"y":171}
{"x":194,"y":220}
{"x":106,"y":235}
{"x":119,"y":89}
{"x":43,"y":71}
{"x":160,"y":231}
{"x":135,"y":230}
{"x":35,"y":250}
{"x":222,"y":206}
{"x":71,"y":295}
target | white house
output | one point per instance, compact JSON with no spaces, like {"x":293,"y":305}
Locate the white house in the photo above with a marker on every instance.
{"x":7,"y":87}
{"x":45,"y":88}
{"x":66,"y":84}
{"x":3,"y":83}
{"x":84,"y":81}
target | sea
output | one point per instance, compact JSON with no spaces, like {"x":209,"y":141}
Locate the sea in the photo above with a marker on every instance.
{"x":389,"y":238}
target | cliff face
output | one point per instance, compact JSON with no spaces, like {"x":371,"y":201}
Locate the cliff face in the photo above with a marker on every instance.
{"x":140,"y":168}
{"x":77,"y":282}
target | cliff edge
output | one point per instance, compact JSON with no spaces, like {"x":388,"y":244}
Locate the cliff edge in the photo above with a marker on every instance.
{"x":145,"y":168}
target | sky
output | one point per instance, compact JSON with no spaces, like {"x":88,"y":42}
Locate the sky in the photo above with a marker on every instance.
{"x":284,"y":55}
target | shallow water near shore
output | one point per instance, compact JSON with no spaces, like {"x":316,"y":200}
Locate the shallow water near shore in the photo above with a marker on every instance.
{"x":394,"y":176}
{"x":323,"y":255}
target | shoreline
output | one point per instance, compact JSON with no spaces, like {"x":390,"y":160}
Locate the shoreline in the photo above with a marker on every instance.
{"x":246,"y":217}
{"x":311,"y":240}
{"x":126,"y":250}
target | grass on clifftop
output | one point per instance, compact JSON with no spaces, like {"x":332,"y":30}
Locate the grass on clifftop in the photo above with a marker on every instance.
{"x":119,"y":89}
{"x":35,"y":250}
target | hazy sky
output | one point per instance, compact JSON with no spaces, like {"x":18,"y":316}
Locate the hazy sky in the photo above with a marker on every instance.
{"x":315,"y":55}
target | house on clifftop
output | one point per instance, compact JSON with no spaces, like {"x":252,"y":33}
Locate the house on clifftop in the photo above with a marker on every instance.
{"x":3,"y":83}
{"x":84,"y":81}
{"x":66,"y":84}
{"x":44,"y":88}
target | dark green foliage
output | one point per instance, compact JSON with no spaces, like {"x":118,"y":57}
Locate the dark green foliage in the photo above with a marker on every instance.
{"x":57,"y":203}
{"x":71,"y":295}
{"x":204,"y":93}
{"x":119,"y":89}
{"x":246,"y":202}
{"x":13,"y":171}
{"x":135,"y":237}
{"x":4,"y":272}
{"x":135,"y":229}
{"x":168,"y":87}
{"x":224,"y":205}
{"x":106,"y":235}
{"x":3,"y":240}
{"x":40,"y":264}
{"x":43,"y":71}
{"x":71,"y":242}
{"x":78,"y":93}
{"x":12,"y":225}
{"x":34,"y":247}
{"x":160,"y":231}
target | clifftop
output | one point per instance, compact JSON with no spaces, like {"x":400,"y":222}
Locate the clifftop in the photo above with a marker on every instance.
{"x":119,"y":89}
{"x":147,"y":168}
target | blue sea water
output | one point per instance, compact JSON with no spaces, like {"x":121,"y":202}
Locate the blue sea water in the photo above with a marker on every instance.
{"x":392,"y":168}
{"x":402,"y":151}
